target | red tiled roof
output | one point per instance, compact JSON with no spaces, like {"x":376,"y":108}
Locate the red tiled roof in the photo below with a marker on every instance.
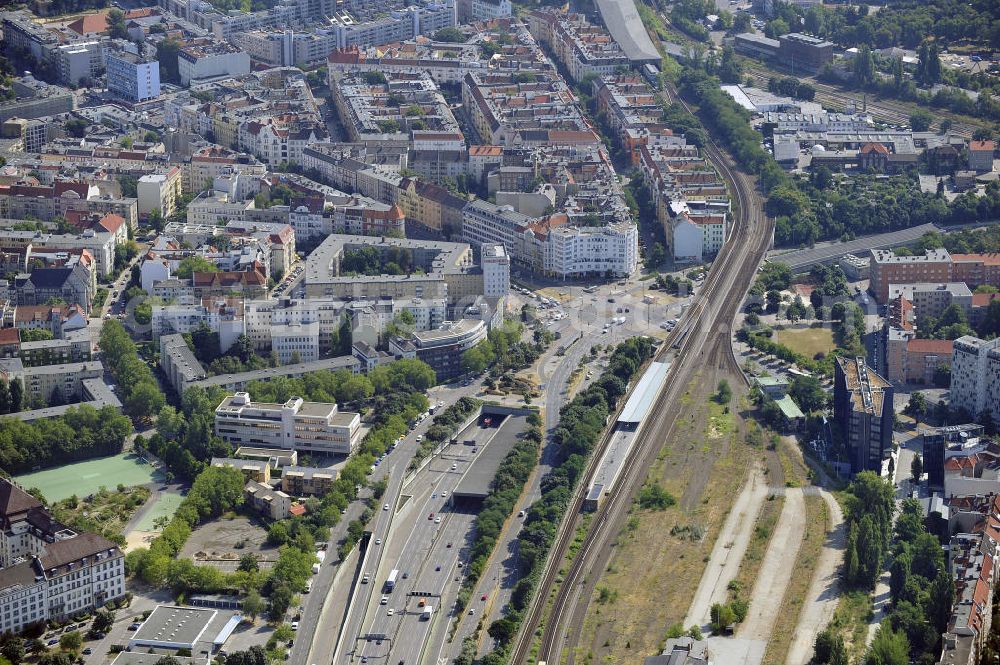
{"x":939,"y":346}
{"x":874,"y":147}
{"x":982,"y":146}
{"x":111,"y":222}
{"x":9,"y":336}
{"x":90,"y":24}
{"x":983,"y":299}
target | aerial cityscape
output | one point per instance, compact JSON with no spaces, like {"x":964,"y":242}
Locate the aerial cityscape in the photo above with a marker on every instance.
{"x":499,"y":332}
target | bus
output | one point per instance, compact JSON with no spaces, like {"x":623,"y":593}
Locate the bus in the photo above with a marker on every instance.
{"x":390,"y":582}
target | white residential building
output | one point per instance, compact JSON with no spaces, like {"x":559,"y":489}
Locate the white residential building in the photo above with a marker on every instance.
{"x":222,"y":315}
{"x":133,"y":77}
{"x":48,"y":570}
{"x":295,"y":425}
{"x":593,"y":250}
{"x":975,"y":376}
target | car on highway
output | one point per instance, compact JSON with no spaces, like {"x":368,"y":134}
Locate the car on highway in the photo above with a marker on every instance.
{"x":454,"y":467}
{"x":472,"y":611}
{"x":87,"y":651}
{"x":444,"y":495}
{"x":364,"y":580}
{"x":384,"y":601}
{"x":378,"y":541}
{"x":437,"y":520}
{"x":520,"y":513}
{"x":483,"y":598}
{"x":431,"y":516}
{"x":406,"y":576}
{"x":385,"y":506}
{"x":437,"y":569}
{"x":389,"y":612}
{"x":449,"y":544}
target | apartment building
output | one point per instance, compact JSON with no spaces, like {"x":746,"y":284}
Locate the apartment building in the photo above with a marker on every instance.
{"x":887,"y":268}
{"x":935,"y":265}
{"x":405,"y":104}
{"x":49,"y":571}
{"x":132,"y":77}
{"x":584,"y":48}
{"x":862,"y":408}
{"x":307,"y":481}
{"x":252,"y":469}
{"x":208,"y":163}
{"x":24,"y":200}
{"x":267,"y":501}
{"x":179,"y":363}
{"x":577,"y":251}
{"x":159,"y":191}
{"x":975,"y":376}
{"x":442,"y":348}
{"x":297,"y":425}
{"x":76,"y":285}
{"x":930,"y":300}
{"x":206,"y":61}
{"x":222,"y":315}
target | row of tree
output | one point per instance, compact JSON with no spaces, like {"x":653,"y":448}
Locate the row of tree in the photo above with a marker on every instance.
{"x":501,"y":502}
{"x":580,"y":425}
{"x":82,"y":432}
{"x":139,"y":390}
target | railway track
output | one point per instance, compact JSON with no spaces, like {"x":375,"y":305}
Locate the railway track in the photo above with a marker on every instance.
{"x":881,"y":109}
{"x":703,"y":341}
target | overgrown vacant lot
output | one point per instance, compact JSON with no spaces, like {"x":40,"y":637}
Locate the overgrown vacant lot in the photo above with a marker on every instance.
{"x":653,"y":574}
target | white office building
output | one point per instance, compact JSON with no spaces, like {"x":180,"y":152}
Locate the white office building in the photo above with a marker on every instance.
{"x":132,"y":77}
{"x":295,"y":425}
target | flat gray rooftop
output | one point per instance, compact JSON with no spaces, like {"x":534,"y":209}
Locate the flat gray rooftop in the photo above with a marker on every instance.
{"x":296,"y":370}
{"x":645,"y":392}
{"x":477,"y":481}
{"x":174,"y":625}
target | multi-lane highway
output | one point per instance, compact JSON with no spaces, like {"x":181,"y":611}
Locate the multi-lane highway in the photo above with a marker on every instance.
{"x":429,"y":556}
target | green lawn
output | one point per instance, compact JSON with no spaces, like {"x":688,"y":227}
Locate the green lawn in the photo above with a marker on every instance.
{"x":166,"y":505}
{"x":85,"y":478}
{"x":807,"y":341}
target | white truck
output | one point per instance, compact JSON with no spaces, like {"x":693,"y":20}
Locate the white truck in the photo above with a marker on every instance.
{"x":426,"y":614}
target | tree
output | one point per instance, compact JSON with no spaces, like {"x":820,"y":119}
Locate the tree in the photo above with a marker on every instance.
{"x":253,"y":605}
{"x":16,"y":395}
{"x":829,"y":649}
{"x":450,"y":34}
{"x":916,"y":407}
{"x":920,"y":121}
{"x":864,"y":67}
{"x":71,"y":641}
{"x":940,"y":601}
{"x":916,"y":469}
{"x":13,"y":649}
{"x":192,"y":264}
{"x":722,"y":617}
{"x":116,"y":24}
{"x":808,"y":393}
{"x":888,"y":648}
{"x":248,"y":563}
{"x":724,"y":394}
{"x":144,"y":400}
{"x":103,"y":621}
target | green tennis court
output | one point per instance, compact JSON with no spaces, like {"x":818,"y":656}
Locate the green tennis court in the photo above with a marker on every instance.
{"x":166,"y":505}
{"x":84,"y":478}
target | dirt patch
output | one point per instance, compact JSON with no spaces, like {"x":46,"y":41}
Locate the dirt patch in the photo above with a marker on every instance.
{"x":646,"y":585}
{"x":226,"y":540}
{"x":801,"y":576}
{"x":757,"y":547}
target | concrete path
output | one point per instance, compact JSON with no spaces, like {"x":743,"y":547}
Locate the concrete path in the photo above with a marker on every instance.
{"x":729,"y":549}
{"x":775,"y":571}
{"x":824,"y":592}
